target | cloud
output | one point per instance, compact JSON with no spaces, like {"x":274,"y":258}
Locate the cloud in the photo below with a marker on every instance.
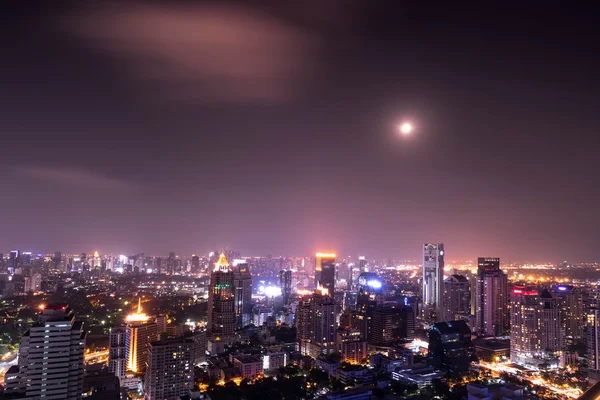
{"x":77,"y":177}
{"x":210,"y":53}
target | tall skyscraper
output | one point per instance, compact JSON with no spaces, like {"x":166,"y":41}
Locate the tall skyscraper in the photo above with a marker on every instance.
{"x":569,"y":300}
{"x":433,"y":278}
{"x":535,"y":326}
{"x":325,"y":271}
{"x":51,"y":357}
{"x":450,"y":347}
{"x":140,"y":331}
{"x":285,"y":281}
{"x":221,"y":300}
{"x":457,"y":297}
{"x":491,"y":309}
{"x":170,"y":372}
{"x":362,"y":264}
{"x":392,"y":323}
{"x":117,"y":352}
{"x":242,"y":282}
{"x":593,"y":334}
{"x":316,"y":324}
{"x":351,"y":345}
{"x":369,"y":287}
{"x":195,"y":264}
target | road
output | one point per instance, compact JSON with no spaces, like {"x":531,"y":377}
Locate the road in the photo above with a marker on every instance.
{"x":536,"y":379}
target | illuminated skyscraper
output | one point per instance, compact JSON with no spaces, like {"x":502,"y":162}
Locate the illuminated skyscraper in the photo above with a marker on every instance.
{"x":491,"y":308}
{"x":221,"y":300}
{"x":433,"y":278}
{"x":323,"y":321}
{"x":242,"y":282}
{"x":569,"y":300}
{"x":170,"y":372}
{"x":140,"y":331}
{"x":593,"y":334}
{"x":457,"y":297}
{"x":195,"y":264}
{"x":369,"y":287}
{"x":285,"y":281}
{"x":325,"y":271}
{"x":362,"y":264}
{"x":535,"y":326}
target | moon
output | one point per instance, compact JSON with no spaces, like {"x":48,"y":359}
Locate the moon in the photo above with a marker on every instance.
{"x":405,"y":128}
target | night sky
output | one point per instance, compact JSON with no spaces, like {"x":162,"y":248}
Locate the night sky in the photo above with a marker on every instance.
{"x":270,"y":127}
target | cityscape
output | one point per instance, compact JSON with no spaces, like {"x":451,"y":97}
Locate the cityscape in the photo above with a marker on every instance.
{"x":223,"y":324}
{"x":299,"y":200}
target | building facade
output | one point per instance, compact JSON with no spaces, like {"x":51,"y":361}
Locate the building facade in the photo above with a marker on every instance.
{"x":221,"y":300}
{"x":170,"y":372}
{"x":491,"y":309}
{"x":457,"y":297}
{"x":433,"y":278}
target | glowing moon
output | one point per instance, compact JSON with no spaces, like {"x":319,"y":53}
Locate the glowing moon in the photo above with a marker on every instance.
{"x":406,"y":128}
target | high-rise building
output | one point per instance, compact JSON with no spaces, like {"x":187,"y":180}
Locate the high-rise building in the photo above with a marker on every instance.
{"x":391,"y":323}
{"x":171,"y":263}
{"x":140,"y":331}
{"x":569,"y":300}
{"x":362,"y":264}
{"x":450,"y":347}
{"x":285,"y":281}
{"x":535,"y":326}
{"x":170,"y":372}
{"x":117,"y":352}
{"x":221,"y":300}
{"x":491,"y":309}
{"x":195,"y":264}
{"x":325,"y":271}
{"x":457,"y":297}
{"x":242,"y":282}
{"x":51,"y":361}
{"x":370,"y":286}
{"x":351,"y":345}
{"x":593,"y":334}
{"x":433,"y":278}
{"x":316,"y":324}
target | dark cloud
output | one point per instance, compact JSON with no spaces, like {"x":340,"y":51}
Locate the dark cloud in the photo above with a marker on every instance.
{"x":74,"y":177}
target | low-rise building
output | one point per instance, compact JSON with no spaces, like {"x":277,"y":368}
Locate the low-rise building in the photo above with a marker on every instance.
{"x":250,"y":366}
{"x":417,"y":374}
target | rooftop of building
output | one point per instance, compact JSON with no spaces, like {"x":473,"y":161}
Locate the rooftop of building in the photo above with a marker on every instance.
{"x":458,"y":326}
{"x":492,"y":344}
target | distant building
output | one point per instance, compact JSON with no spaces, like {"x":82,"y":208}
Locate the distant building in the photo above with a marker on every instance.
{"x":316,"y":324}
{"x":285,"y":281}
{"x":117,"y":352}
{"x":242,"y":282}
{"x":433,"y":278}
{"x":170,"y":372}
{"x":569,"y":300}
{"x":325,"y":271}
{"x":491,"y":309}
{"x":221,"y":300}
{"x":51,"y":360}
{"x":457,"y":297}
{"x":593,"y":334}
{"x":450,"y":347}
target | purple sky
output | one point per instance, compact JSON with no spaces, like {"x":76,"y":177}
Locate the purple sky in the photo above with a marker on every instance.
{"x":269,"y":127}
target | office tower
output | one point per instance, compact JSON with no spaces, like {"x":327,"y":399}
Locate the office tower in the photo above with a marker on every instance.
{"x":285,"y":281}
{"x":51,"y":357}
{"x":57,"y":259}
{"x":569,"y":300}
{"x":491,"y":310}
{"x":535,"y":326}
{"x":14,"y":260}
{"x":325,"y":271}
{"x":433,"y":278}
{"x":450,"y":347}
{"x":391,"y":323}
{"x":171,"y":263}
{"x":369,"y":287}
{"x":170,"y":372}
{"x":362,"y":264}
{"x":139,"y":332}
{"x":457,"y":297}
{"x":195,"y":264}
{"x":351,"y":345}
{"x":117,"y":351}
{"x":323,"y":320}
{"x":593,"y":334}
{"x":303,"y":327}
{"x":242,"y":282}
{"x":221,"y":300}
{"x":158,"y":265}
{"x":32,"y":283}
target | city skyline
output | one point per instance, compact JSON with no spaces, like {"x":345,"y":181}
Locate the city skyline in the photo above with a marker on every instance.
{"x":127,"y":140}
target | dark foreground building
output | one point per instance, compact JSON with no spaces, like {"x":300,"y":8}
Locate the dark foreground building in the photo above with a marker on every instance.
{"x":450,"y":347}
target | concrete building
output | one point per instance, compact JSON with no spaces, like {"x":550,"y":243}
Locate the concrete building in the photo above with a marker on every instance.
{"x":491,"y":309}
{"x":221,"y":300}
{"x":242,"y":282}
{"x":433,"y":278}
{"x":325,"y":271}
{"x":450,"y":347}
{"x":170,"y":371}
{"x":250,"y":366}
{"x":117,"y":352}
{"x":51,"y":361}
{"x":457,"y":297}
{"x":351,"y":345}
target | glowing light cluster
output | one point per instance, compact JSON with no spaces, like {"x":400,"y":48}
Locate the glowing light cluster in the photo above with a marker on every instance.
{"x":138,"y":316}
